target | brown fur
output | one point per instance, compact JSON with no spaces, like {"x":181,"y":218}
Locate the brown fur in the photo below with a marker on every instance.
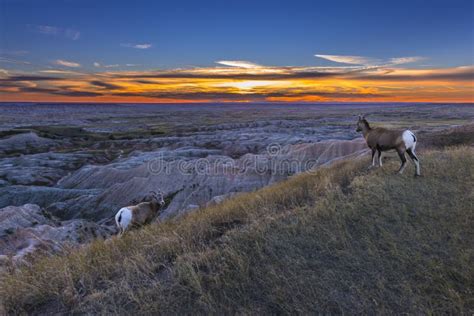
{"x":384,"y":139}
{"x":144,"y":213}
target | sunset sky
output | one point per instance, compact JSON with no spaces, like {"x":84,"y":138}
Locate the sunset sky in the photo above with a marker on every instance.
{"x":236,"y":51}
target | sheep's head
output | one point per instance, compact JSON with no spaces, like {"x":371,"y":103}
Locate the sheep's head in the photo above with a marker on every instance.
{"x":361,"y":123}
{"x":158,"y":197}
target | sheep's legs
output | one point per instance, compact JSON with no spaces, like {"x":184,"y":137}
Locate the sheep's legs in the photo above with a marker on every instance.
{"x":373,"y":160}
{"x":380,"y":157}
{"x":401,"y":154}
{"x":415,"y":160}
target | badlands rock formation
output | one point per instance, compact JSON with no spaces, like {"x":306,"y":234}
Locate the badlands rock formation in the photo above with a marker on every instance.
{"x":26,"y":229}
{"x":25,"y":143}
{"x":187,"y":179}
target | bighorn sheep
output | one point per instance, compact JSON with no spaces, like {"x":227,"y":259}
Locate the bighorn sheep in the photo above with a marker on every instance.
{"x":140,"y":214}
{"x":381,"y":139}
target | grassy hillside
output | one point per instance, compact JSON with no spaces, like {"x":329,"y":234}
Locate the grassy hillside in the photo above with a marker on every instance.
{"x":339,"y":240}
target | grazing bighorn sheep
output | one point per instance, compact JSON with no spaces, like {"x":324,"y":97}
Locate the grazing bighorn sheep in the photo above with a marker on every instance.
{"x":140,"y":214}
{"x":381,"y":139}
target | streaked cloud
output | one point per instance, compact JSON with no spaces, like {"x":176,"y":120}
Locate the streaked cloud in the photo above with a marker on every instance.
{"x":105,"y":85}
{"x":369,"y":61}
{"x":14,"y":78}
{"x":353,"y":60}
{"x":254,"y":96}
{"x":406,"y":60}
{"x":62,"y":92}
{"x":251,"y":84}
{"x":245,"y":82}
{"x":47,"y":29}
{"x":238,"y":63}
{"x":137,"y":46}
{"x":13,"y":61}
{"x":56,"y":31}
{"x":236,"y":73}
{"x":61,"y":72}
{"x":99,"y":65}
{"x":455,"y":74}
{"x":66,"y":63}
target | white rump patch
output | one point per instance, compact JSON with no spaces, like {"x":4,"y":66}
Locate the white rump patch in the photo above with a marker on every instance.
{"x":125,"y":215}
{"x":409,"y":139}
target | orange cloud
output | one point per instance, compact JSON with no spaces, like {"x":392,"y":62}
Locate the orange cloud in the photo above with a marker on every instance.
{"x":240,"y":81}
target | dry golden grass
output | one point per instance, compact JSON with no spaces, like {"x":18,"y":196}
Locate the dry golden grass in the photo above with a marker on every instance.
{"x":339,"y":240}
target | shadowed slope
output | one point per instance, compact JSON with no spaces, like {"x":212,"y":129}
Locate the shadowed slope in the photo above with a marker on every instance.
{"x":337,"y":240}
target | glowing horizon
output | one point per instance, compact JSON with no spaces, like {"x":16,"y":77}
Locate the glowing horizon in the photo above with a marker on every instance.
{"x":382,"y":83}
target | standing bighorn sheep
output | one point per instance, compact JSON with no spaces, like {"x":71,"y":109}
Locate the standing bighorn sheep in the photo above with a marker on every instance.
{"x":142,"y":213}
{"x":381,"y":139}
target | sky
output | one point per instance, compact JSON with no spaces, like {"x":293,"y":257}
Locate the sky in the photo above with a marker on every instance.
{"x":236,"y":51}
